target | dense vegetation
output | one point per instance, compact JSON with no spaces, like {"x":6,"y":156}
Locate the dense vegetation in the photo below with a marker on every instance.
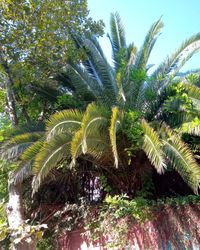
{"x":83,"y":129}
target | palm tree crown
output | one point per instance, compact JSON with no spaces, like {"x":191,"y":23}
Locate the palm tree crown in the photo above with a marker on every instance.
{"x":130,"y":112}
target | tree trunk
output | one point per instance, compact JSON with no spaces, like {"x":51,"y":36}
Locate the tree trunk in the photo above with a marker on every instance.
{"x":11,"y":107}
{"x":15,"y":215}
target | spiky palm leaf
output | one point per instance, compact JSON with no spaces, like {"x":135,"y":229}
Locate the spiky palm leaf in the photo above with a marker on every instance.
{"x":144,"y":53}
{"x":93,"y":120}
{"x":66,"y":121}
{"x":191,"y":128}
{"x":181,"y":158}
{"x":103,"y":72}
{"x":13,"y":148}
{"x":152,"y":146}
{"x":194,"y":94}
{"x":172,"y":64}
{"x":50,"y":156}
{"x":117,"y":39}
{"x":24,"y":168}
{"x":114,"y":125}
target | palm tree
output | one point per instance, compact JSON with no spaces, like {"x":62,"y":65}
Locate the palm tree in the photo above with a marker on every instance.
{"x":125,"y":127}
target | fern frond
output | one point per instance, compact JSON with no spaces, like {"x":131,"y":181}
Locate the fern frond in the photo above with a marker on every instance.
{"x":152,"y":146}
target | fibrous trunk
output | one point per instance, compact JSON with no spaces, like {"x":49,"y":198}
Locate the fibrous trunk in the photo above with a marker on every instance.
{"x":15,"y":215}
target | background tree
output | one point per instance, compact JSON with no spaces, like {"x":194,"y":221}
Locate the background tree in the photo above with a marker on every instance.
{"x":35,"y":43}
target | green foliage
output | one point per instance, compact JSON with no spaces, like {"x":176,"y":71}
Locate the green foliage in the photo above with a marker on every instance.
{"x":132,"y":129}
{"x":5,"y":168}
{"x":179,"y":101}
{"x":37,"y":38}
{"x":117,"y":213}
{"x":67,"y":101}
{"x":2,"y":100}
{"x":104,"y":184}
{"x":152,"y":146}
{"x":45,"y":243}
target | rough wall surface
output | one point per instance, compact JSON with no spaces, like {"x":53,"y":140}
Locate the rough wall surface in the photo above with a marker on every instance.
{"x":173,"y":228}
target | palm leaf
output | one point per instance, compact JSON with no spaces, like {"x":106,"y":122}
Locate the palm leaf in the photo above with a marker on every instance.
{"x":194,"y":94}
{"x":67,"y":121}
{"x":172,"y":64}
{"x":93,"y":120}
{"x":115,"y":121}
{"x":144,"y":53}
{"x":181,"y":158}
{"x":24,"y":168}
{"x":27,"y":137}
{"x":103,"y":72}
{"x":152,"y":146}
{"x":80,"y":80}
{"x":117,"y":39}
{"x":117,"y":31}
{"x":50,"y":156}
{"x":192,"y":128}
{"x":13,"y":148}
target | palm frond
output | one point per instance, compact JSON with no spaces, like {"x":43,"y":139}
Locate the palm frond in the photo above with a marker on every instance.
{"x":192,"y":128}
{"x":117,"y":39}
{"x":103,"y":72}
{"x":27,"y":137}
{"x":64,"y":121}
{"x":152,"y":146}
{"x":132,"y":52}
{"x":94,"y":119}
{"x":24,"y":168}
{"x":144,"y":53}
{"x":117,"y":32}
{"x":13,"y":148}
{"x":181,"y":158}
{"x":81,"y":82}
{"x":172,"y":64}
{"x":50,"y":156}
{"x":115,"y":121}
{"x":194,"y":94}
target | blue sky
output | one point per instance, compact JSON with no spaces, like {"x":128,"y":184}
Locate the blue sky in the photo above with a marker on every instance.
{"x":181,"y":19}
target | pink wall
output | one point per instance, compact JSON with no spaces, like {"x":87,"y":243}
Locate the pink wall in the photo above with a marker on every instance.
{"x":171,"y":227}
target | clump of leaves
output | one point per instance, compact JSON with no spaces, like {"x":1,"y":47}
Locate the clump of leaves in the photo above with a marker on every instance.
{"x":67,"y":101}
{"x":179,"y":101}
{"x":133,"y":129}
